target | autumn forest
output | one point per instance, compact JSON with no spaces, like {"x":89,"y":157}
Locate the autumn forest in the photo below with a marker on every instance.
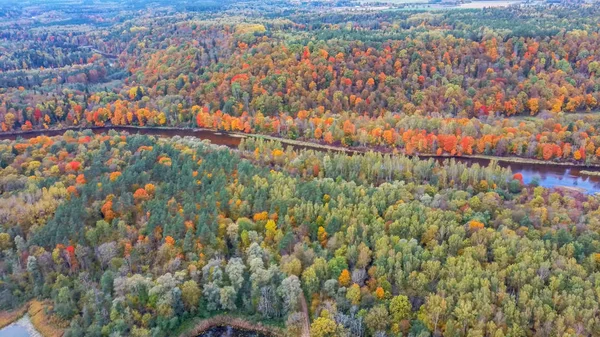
{"x":115,"y":233}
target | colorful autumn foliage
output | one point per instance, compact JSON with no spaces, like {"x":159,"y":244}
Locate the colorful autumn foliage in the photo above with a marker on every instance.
{"x":74,"y":166}
{"x":114,"y":175}
{"x":167,"y":240}
{"x":134,"y":235}
{"x":360,"y":91}
{"x":140,"y":194}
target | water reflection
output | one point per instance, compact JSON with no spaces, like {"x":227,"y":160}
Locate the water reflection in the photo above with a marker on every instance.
{"x":14,"y":331}
{"x":549,"y":176}
{"x":568,"y":177}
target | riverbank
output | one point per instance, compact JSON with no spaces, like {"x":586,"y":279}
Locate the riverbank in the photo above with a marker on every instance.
{"x":21,"y":328}
{"x":352,"y":150}
{"x":9,"y":317}
{"x":46,"y":325}
{"x":544,"y":173}
{"x":236,"y":136}
{"x":197,"y":326}
{"x":590,"y":173}
{"x":43,"y":324}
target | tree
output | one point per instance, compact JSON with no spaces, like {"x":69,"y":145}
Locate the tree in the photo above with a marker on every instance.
{"x":465,"y":314}
{"x":323,"y":326}
{"x":65,"y":308}
{"x":9,"y":120}
{"x":294,"y":324}
{"x":141,"y":194}
{"x":27,"y":126}
{"x":35,"y":274}
{"x":377,"y":319}
{"x":107,"y":281}
{"x":106,"y":252}
{"x":380,"y":293}
{"x":228,"y":298}
{"x":353,"y":294}
{"x":322,"y":236}
{"x":433,"y":312}
{"x":400,"y":309}
{"x":519,"y":177}
{"x":310,"y":281}
{"x":235,"y":271}
{"x":190,"y":294}
{"x":290,"y":290}
{"x":533,"y":105}
{"x":345,"y":278}
{"x":270,"y":230}
{"x":5,"y":241}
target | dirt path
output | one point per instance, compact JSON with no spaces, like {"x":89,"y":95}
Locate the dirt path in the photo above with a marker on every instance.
{"x":306,"y":329}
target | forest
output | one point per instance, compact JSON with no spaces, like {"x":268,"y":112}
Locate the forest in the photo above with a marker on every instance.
{"x":455,"y":83}
{"x":110,"y":234}
{"x":131,"y":235}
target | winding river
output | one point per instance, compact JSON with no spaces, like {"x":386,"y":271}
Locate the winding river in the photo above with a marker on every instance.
{"x":563,"y":176}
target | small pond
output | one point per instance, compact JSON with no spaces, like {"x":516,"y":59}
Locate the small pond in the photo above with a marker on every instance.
{"x":227,"y":331}
{"x":20,"y":328}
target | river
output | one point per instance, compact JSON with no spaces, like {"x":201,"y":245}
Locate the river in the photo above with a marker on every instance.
{"x":486,"y":4}
{"x":451,"y":5}
{"x":565,"y":176}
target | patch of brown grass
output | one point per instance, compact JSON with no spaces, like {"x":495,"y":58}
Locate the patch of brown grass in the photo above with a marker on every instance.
{"x":9,"y":317}
{"x":47,"y":325}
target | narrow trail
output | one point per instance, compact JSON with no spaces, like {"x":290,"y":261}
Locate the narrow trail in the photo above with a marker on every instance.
{"x":306,"y":329}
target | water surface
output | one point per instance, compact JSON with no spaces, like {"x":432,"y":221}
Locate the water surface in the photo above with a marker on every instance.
{"x":486,"y":4}
{"x":20,"y":328}
{"x":227,"y":331}
{"x":14,"y":331}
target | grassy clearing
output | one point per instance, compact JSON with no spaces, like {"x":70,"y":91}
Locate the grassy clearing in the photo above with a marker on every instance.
{"x":47,"y":325}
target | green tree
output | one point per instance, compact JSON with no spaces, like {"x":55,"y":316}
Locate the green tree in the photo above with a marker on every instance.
{"x":400,"y":308}
{"x":377,"y":319}
{"x":323,"y":326}
{"x":190,"y":294}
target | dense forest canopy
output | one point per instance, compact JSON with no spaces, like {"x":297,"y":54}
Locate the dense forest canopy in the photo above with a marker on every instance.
{"x":518,"y":81}
{"x":136,"y":235}
{"x":116,"y":234}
